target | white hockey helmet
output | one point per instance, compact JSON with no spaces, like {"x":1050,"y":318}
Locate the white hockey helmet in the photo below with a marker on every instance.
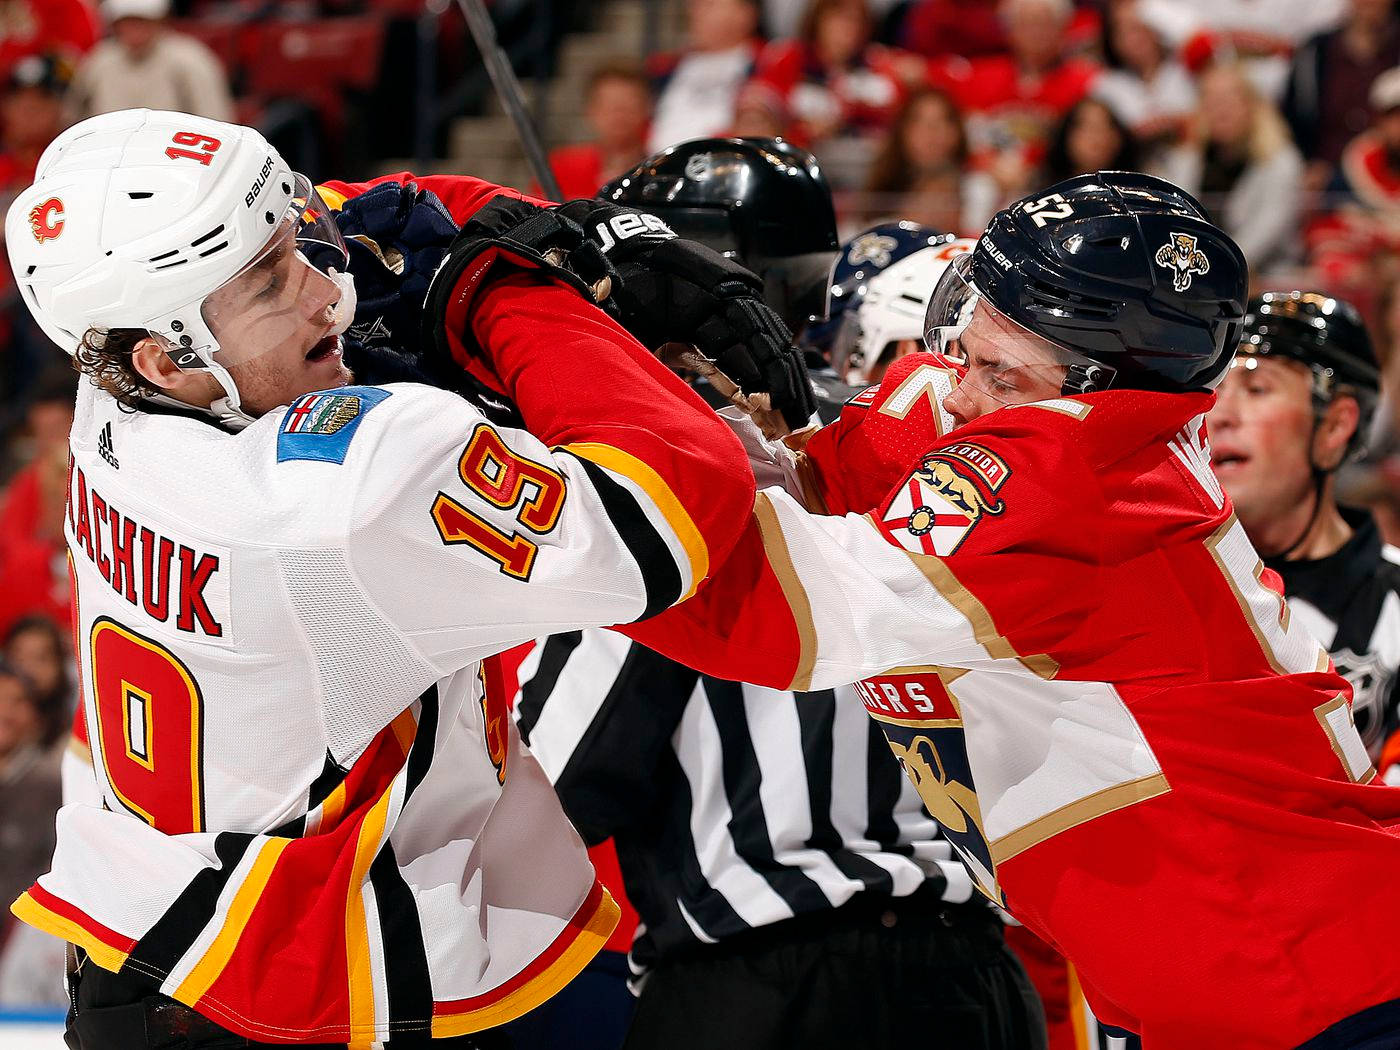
{"x":136,"y":217}
{"x":892,"y":310}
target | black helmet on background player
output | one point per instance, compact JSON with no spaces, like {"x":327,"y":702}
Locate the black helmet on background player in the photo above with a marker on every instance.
{"x":1325,"y":334}
{"x":763,"y":202}
{"x":1122,"y":269}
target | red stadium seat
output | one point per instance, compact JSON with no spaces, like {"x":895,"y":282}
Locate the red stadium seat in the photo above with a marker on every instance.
{"x":302,"y":59}
{"x":220,"y":37}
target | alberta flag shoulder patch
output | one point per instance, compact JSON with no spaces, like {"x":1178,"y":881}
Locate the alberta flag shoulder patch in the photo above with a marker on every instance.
{"x":319,"y":426}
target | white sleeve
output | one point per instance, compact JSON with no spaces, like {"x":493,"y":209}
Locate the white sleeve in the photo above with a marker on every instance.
{"x":470,"y":538}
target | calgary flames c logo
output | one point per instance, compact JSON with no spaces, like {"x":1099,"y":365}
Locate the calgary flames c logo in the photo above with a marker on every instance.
{"x":46,"y":220}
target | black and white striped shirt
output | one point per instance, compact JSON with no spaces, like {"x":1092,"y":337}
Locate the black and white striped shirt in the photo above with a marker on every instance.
{"x":1350,"y":602}
{"x":731,"y":806}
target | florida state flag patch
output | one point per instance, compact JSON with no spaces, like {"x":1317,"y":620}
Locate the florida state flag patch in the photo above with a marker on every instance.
{"x":944,"y":499}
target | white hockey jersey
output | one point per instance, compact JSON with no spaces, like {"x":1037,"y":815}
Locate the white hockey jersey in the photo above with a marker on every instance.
{"x":318,"y":824}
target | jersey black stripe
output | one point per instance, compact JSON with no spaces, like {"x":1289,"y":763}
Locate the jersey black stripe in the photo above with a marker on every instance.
{"x":660,"y":574}
{"x":407,"y":979}
{"x":420,"y":756}
{"x":330,"y":777}
{"x":534,"y":693}
{"x":747,"y":823}
{"x":170,"y":938}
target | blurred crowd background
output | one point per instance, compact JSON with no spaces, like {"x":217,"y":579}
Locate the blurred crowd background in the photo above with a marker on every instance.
{"x":1283,"y":116}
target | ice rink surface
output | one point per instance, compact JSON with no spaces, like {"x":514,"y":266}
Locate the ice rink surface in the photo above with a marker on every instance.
{"x":31,"y":1030}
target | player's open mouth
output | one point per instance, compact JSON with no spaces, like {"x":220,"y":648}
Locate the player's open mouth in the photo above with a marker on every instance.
{"x":324,"y":350}
{"x":1227,"y":462}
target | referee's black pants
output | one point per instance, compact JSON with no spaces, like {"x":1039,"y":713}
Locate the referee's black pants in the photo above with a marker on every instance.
{"x":879,"y":972}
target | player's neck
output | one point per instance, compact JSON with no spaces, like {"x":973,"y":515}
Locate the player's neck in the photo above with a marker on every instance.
{"x":1284,"y":534}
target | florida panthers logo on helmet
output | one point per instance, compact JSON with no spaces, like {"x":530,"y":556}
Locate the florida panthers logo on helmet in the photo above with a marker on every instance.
{"x":874,"y":248}
{"x":1181,"y":256}
{"x":46,"y":219}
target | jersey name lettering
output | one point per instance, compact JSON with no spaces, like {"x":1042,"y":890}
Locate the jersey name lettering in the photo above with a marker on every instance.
{"x":172,"y":582}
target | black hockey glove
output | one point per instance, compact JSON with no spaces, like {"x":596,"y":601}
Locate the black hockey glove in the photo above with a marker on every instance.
{"x":670,"y":290}
{"x":510,"y":232}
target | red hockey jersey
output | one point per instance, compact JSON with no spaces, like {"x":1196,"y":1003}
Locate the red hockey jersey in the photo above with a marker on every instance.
{"x":1079,"y":661}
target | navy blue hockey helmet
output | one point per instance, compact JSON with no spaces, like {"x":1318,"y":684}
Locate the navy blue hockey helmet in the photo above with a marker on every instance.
{"x":862,"y":257}
{"x":1122,"y":268}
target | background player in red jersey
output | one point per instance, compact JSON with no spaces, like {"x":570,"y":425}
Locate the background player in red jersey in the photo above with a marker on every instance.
{"x":1076,"y":653}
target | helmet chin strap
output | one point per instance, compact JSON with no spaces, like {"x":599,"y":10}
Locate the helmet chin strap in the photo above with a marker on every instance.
{"x":227,"y":411}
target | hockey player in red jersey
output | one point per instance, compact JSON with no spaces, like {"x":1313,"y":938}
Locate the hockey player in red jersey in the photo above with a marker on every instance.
{"x":1072,"y":646}
{"x":317,"y":823}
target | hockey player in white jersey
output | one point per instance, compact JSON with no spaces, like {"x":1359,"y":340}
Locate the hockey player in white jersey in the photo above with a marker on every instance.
{"x":317,"y":824}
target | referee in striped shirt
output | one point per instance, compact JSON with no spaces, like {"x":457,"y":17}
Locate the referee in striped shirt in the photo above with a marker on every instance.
{"x":792,"y":890}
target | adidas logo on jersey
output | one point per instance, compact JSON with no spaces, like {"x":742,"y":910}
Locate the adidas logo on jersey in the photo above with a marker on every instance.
{"x":104,"y":446}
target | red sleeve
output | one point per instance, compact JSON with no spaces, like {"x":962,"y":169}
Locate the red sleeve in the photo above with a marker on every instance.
{"x":855,"y":461}
{"x":463,"y":195}
{"x":579,"y":379}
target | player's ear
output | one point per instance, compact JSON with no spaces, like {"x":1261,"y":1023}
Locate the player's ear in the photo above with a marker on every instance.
{"x":1339,"y":422}
{"x":149,"y":359}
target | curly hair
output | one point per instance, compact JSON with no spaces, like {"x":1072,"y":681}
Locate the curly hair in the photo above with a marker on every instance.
{"x":105,"y":358}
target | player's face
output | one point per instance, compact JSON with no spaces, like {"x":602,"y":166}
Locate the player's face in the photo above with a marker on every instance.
{"x":274,"y":326}
{"x":1006,"y":365}
{"x":1260,"y":432}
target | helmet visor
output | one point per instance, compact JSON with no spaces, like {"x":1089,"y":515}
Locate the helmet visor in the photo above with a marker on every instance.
{"x":286,"y":294}
{"x":1005,"y":363}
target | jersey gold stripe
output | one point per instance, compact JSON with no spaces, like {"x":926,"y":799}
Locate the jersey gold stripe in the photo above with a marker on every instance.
{"x":31,"y":912}
{"x":796,"y":594}
{"x":212,"y":964}
{"x":594,"y":922}
{"x":357,"y":955}
{"x":1080,"y":811}
{"x":984,"y":629}
{"x":661,"y":496}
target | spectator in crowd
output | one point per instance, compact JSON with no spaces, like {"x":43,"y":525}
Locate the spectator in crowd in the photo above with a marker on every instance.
{"x":1259,"y":34}
{"x":29,"y":790}
{"x":974,"y":28}
{"x":1144,"y":85}
{"x":1090,"y":138}
{"x":1359,"y":233}
{"x":31,"y":114}
{"x":697,"y":88}
{"x":148,"y":64}
{"x":37,"y":648}
{"x":1241,"y":162}
{"x":33,"y":27}
{"x":1327,"y":101}
{"x":921,"y":171}
{"x":831,"y":81}
{"x":33,"y":562}
{"x":1014,"y":101}
{"x":618,"y":112}
{"x":783,"y":18}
